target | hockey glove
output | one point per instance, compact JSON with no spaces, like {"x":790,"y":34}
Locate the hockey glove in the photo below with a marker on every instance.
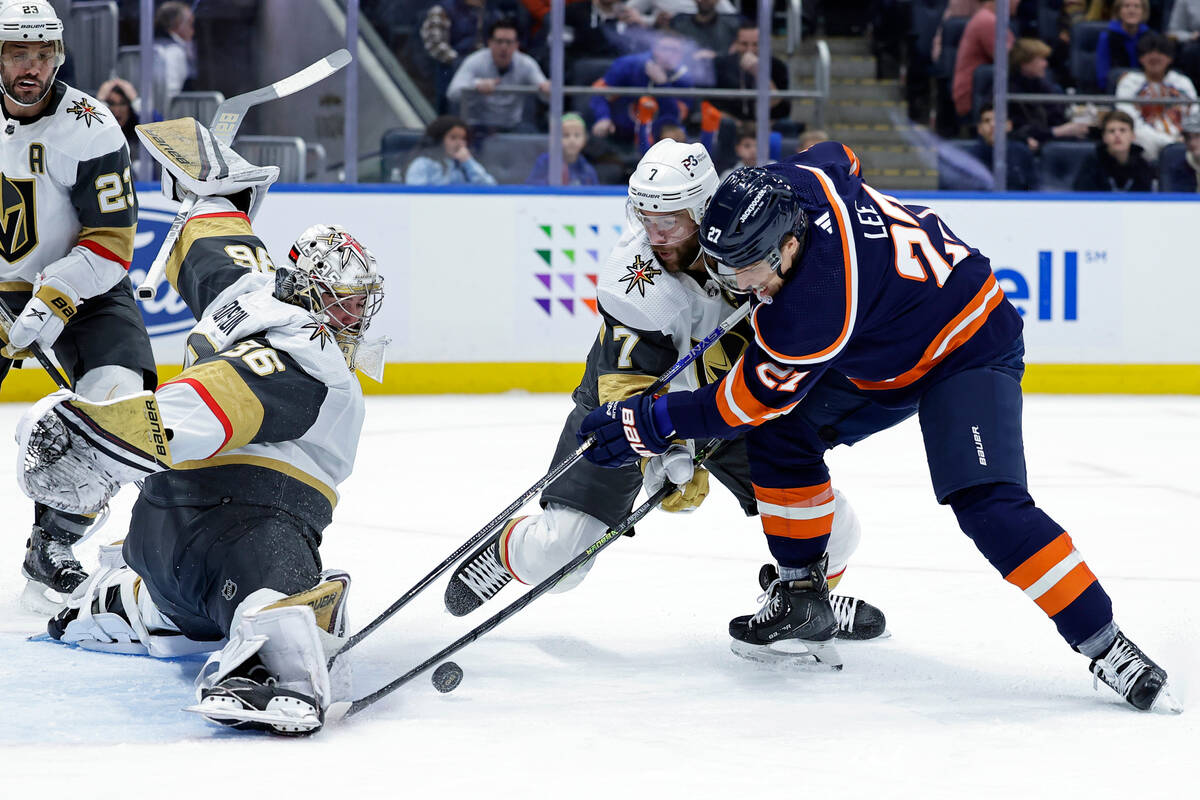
{"x":53,"y":304}
{"x":676,"y":465}
{"x":624,"y":431}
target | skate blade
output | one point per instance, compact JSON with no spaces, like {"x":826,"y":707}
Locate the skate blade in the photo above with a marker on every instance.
{"x":793,"y":652}
{"x":37,"y":598}
{"x":1166,"y":702}
{"x":218,"y":713}
{"x":887,"y":634}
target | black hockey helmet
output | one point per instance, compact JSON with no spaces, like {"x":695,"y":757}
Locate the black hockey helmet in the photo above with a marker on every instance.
{"x":746,"y":221}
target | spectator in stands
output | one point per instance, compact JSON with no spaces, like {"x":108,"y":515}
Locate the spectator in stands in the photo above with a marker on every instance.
{"x":662,"y":66}
{"x":1100,"y":10}
{"x":174,"y":52}
{"x":121,"y":98}
{"x":1118,"y":164}
{"x":577,"y":170}
{"x":1034,"y":123}
{"x":501,"y":64}
{"x":659,"y":13}
{"x":453,"y":29}
{"x":1071,"y":13}
{"x":1020,"y":175}
{"x":444,"y":158}
{"x":746,"y":148}
{"x":1184,"y":27}
{"x":809,"y":138}
{"x":977,"y":47}
{"x":738,"y":69}
{"x":955,"y":8}
{"x":1182,"y":176}
{"x":1119,"y":41}
{"x":603,"y":29}
{"x":669,"y":129}
{"x":1155,"y":126}
{"x":710,"y":32}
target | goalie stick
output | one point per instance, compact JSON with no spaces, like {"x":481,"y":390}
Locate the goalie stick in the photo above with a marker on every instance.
{"x":348,"y":709}
{"x":555,"y":471}
{"x":35,"y":348}
{"x":225,"y":123}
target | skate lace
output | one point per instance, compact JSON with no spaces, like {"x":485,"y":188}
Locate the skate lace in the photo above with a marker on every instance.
{"x":485,"y":575}
{"x":843,"y":611}
{"x":773,"y":597}
{"x":1121,"y":667}
{"x":60,"y":554}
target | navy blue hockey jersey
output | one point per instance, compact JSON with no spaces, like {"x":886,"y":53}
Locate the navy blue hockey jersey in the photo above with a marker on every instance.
{"x":883,"y":292}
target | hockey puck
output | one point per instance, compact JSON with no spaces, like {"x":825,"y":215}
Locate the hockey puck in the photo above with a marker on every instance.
{"x":447,"y":677}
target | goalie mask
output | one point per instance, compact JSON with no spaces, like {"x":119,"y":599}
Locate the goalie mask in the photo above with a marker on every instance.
{"x":336,"y":279}
{"x":31,"y":50}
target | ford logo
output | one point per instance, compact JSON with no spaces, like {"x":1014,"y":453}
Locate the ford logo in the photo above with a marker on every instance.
{"x":166,"y":313}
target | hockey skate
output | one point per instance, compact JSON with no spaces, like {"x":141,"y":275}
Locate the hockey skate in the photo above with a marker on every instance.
{"x":481,"y":576}
{"x":50,"y":567}
{"x":1131,"y":674}
{"x":857,"y":620}
{"x":796,"y":623}
{"x":272,"y":675}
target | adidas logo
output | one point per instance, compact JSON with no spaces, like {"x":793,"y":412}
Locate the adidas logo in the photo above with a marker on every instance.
{"x":825,"y":223}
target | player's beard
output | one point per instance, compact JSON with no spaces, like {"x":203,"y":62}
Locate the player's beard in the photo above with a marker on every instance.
{"x":26,"y":95}
{"x":679,"y":256}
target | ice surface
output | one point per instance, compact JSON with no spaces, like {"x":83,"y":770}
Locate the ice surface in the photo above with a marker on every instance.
{"x":626,"y":684}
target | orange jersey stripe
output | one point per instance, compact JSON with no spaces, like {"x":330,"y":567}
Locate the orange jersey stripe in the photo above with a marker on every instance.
{"x":1063,"y":593}
{"x":855,"y":166}
{"x":738,"y":406}
{"x":797,"y":528}
{"x":850,"y":275}
{"x":956,"y":333}
{"x":1038,"y":564}
{"x":803,"y":497}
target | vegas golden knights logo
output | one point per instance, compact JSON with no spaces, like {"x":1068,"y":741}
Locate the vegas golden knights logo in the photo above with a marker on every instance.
{"x":18,"y":218}
{"x":721,"y":357}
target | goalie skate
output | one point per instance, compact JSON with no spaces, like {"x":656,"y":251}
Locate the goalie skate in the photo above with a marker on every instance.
{"x":1130,"y":673}
{"x":254,"y":701}
{"x":796,"y":624}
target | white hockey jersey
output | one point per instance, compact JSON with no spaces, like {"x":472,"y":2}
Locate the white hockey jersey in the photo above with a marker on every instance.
{"x":68,"y":199}
{"x":267,"y":369}
{"x":652,"y":318}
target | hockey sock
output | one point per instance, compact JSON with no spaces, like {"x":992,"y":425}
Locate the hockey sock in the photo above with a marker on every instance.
{"x":797,"y":522}
{"x":1036,"y":555}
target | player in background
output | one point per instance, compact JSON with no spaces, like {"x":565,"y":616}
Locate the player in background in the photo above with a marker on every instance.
{"x":656,"y":301}
{"x":240,"y":455}
{"x":849,"y":279}
{"x":69,"y":219}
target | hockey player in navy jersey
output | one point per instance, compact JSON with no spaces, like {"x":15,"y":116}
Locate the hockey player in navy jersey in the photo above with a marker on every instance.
{"x":240,"y":455}
{"x":655,"y":301}
{"x":69,"y":218}
{"x":850,"y":280}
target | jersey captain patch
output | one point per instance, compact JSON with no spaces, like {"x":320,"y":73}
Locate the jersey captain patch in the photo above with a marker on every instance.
{"x":85,"y":111}
{"x":18,"y":217}
{"x":641,"y":274}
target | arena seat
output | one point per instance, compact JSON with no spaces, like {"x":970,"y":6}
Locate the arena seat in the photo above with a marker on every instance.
{"x":1170,"y":160}
{"x":1060,"y":164}
{"x":1085,"y":37}
{"x":286,"y":152}
{"x":90,"y":36}
{"x":395,"y":148}
{"x":199,"y":105}
{"x":509,"y":157}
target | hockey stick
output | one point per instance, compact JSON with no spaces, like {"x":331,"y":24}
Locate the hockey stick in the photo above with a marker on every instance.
{"x":512,"y":608}
{"x":35,"y":348}
{"x":224,"y":125}
{"x":555,"y":471}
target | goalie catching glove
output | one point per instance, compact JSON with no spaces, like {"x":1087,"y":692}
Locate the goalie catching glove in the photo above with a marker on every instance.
{"x":677,"y":466}
{"x":75,"y":455}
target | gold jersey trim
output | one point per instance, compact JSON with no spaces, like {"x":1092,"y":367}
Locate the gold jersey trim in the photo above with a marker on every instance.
{"x":615,"y":386}
{"x":118,"y":241}
{"x":203,"y":227}
{"x":272,"y":464}
{"x":242,"y":409}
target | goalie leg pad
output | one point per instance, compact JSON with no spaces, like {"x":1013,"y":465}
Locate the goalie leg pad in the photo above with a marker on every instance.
{"x":74,"y":455}
{"x":114,"y":613}
{"x":272,"y":674}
